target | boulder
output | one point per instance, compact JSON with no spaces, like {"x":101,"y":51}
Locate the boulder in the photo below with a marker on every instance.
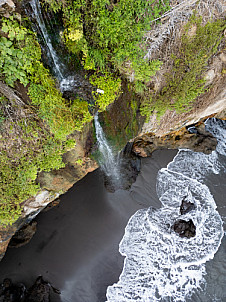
{"x":7,"y":7}
{"x":186,"y":206}
{"x":10,"y":292}
{"x":23,"y":235}
{"x":199,"y":140}
{"x":40,"y":291}
{"x":209,"y":76}
{"x":185,"y":228}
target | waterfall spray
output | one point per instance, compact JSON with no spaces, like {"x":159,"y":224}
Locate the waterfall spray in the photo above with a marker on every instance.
{"x":108,"y":163}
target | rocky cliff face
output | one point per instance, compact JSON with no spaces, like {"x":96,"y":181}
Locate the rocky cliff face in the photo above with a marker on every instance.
{"x":212,"y":102}
{"x":170,"y":130}
{"x":54,"y":183}
{"x":197,"y":140}
{"x":122,"y":123}
{"x":15,"y":104}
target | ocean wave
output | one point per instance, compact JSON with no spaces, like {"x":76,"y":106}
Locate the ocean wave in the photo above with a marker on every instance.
{"x":160,"y":265}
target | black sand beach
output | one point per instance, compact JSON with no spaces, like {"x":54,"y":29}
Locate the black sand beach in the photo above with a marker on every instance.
{"x":76,"y":244}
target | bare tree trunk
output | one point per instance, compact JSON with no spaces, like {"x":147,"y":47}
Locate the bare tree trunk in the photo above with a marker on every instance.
{"x":9,"y":93}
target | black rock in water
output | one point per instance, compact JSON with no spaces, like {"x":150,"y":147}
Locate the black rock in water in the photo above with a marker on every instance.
{"x":185,"y":228}
{"x":40,"y":291}
{"x":186,"y":206}
{"x":10,"y":292}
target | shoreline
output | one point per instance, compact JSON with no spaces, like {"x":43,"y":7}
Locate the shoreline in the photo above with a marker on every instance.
{"x":75,"y":247}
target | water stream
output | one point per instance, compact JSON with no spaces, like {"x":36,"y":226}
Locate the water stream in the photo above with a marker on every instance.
{"x":109,"y":163}
{"x":67,"y":82}
{"x":52,"y":55}
{"x":107,"y":160}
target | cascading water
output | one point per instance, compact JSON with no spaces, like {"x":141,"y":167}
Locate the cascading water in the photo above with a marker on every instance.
{"x":160,"y":265}
{"x":57,"y":65}
{"x":67,"y":82}
{"x":107,"y":159}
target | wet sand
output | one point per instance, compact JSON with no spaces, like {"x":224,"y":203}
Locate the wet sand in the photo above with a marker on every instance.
{"x":76,"y":244}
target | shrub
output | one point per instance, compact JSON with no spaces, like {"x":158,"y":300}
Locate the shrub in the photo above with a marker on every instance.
{"x":185,"y":83}
{"x":110,"y":87}
{"x":34,"y":148}
{"x":112,"y":32}
{"x":18,"y":52}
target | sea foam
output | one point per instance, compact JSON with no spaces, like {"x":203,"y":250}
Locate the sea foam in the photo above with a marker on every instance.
{"x":160,"y":265}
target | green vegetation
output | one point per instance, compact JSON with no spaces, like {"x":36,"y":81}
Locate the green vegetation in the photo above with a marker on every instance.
{"x":15,"y":52}
{"x":185,"y":83}
{"x":36,"y":141}
{"x":123,"y":121}
{"x":31,"y":149}
{"x":110,"y":89}
{"x":79,"y":161}
{"x":21,"y":60}
{"x":106,"y":34}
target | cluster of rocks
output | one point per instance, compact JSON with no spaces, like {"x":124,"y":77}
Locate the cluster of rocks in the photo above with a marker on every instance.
{"x":182,"y":227}
{"x":198,"y":140}
{"x":38,"y":292}
{"x":185,"y":228}
{"x":6,"y":8}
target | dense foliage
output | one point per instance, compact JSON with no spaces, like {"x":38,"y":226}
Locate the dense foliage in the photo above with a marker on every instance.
{"x":107,"y":34}
{"x":21,"y":60}
{"x":109,"y":88}
{"x":33,"y":150}
{"x":40,"y":139}
{"x":185,"y":83}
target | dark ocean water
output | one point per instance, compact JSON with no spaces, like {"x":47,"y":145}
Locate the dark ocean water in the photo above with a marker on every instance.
{"x":76,"y":244}
{"x":160,"y":265}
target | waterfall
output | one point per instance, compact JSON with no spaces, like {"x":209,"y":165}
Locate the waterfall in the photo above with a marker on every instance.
{"x":107,"y":160}
{"x":67,"y":83}
{"x":57,"y":65}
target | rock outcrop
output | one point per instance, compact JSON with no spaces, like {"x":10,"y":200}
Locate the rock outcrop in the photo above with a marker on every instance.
{"x":23,"y":235}
{"x":54,"y":183}
{"x":10,"y":292}
{"x":38,"y":292}
{"x":186,"y":207}
{"x":6,"y":7}
{"x":200,"y":141}
{"x":212,"y":102}
{"x":185,"y":228}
